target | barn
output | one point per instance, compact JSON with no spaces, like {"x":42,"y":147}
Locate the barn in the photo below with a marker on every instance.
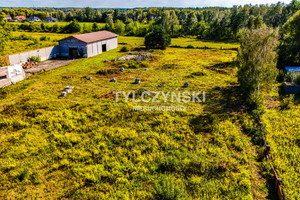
{"x":88,"y":44}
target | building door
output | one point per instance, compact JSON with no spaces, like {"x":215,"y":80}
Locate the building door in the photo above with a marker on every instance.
{"x":104,"y":48}
{"x":73,"y":52}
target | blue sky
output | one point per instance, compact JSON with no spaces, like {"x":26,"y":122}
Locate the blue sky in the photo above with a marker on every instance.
{"x":131,"y":3}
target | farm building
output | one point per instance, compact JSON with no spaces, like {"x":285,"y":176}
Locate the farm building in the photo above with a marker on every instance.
{"x":34,"y":19}
{"x":51,"y":19}
{"x":296,"y":70}
{"x":88,"y":45}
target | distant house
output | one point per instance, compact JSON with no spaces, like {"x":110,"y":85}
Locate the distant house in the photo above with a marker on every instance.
{"x":34,"y":19}
{"x":8,"y":17}
{"x":291,"y":88}
{"x":296,"y":70}
{"x":51,"y":19}
{"x":20,"y":18}
{"x":88,"y":45}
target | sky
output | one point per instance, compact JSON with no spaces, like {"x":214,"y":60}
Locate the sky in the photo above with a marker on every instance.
{"x":131,"y":3}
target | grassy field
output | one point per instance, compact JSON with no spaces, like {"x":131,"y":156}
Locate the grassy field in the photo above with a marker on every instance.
{"x":283,"y":135}
{"x":88,"y":146}
{"x":18,"y":46}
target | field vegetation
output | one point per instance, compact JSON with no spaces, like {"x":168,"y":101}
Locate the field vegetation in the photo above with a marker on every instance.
{"x":24,"y":41}
{"x":88,"y":146}
{"x":282,"y":132}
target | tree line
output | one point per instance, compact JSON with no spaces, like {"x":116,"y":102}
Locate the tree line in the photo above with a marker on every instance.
{"x":206,"y":23}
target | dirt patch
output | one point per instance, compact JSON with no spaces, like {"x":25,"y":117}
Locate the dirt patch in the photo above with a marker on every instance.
{"x":106,"y":96}
{"x":47,"y":65}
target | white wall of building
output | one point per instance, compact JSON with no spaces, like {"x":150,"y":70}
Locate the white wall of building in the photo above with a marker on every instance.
{"x":95,"y":48}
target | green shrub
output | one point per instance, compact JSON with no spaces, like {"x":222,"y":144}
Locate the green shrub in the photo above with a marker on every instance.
{"x":190,"y":47}
{"x":132,"y":64}
{"x":72,"y":27}
{"x":290,"y":77}
{"x":166,"y":190}
{"x":35,"y":59}
{"x":287,"y":102}
{"x":24,"y":174}
{"x":23,"y":37}
{"x":44,"y":38}
{"x":257,"y":137}
{"x":169,"y":164}
{"x":35,"y":178}
{"x":35,"y":41}
{"x":157,"y":39}
{"x":255,"y":101}
{"x":124,"y":49}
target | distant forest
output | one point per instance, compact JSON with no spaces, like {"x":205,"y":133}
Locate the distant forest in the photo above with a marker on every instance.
{"x":214,"y":23}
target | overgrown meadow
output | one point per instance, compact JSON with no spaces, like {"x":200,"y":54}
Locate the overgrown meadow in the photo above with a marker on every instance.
{"x":86,"y":145}
{"x":283,"y":135}
{"x":25,"y":41}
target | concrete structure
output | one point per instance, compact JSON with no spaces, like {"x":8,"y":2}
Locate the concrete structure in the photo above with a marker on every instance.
{"x":51,"y":19}
{"x":88,"y":45}
{"x":34,"y":19}
{"x":291,"y":88}
{"x":4,"y":79}
{"x":16,"y":73}
{"x":296,"y":70}
{"x":11,"y":74}
{"x":45,"y":54}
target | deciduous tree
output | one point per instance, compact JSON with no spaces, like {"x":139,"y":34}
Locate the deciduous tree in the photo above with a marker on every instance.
{"x":257,"y":59}
{"x":157,"y":39}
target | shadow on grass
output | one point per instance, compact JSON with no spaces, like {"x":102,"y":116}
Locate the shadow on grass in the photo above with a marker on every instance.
{"x":205,"y":47}
{"x":222,"y":105}
{"x":225,"y":65}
